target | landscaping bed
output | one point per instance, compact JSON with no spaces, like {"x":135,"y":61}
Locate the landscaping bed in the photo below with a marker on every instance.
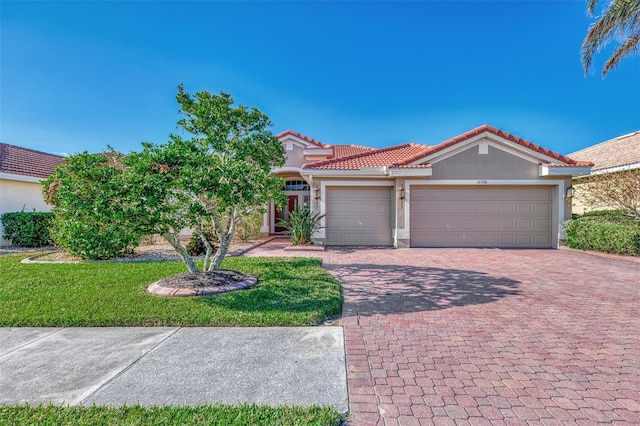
{"x":290,"y":292}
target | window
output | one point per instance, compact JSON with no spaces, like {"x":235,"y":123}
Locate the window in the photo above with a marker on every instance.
{"x":296,"y":185}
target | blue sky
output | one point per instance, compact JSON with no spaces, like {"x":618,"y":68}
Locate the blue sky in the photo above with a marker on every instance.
{"x":80,"y":76}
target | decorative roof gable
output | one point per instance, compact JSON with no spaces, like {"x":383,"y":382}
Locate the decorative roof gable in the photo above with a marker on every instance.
{"x":312,"y":141}
{"x":505,"y":135}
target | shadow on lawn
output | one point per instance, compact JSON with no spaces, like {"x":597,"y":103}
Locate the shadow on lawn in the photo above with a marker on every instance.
{"x":378,"y":289}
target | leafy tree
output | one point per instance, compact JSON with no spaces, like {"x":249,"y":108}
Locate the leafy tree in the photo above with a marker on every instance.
{"x":207,"y":181}
{"x":620,"y":190}
{"x":93,"y":216}
{"x":210,"y":180}
{"x":620,"y":21}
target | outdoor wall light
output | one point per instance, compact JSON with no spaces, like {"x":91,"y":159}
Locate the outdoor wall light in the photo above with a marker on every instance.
{"x":401,"y":192}
{"x":568,"y":193}
{"x":316,"y":192}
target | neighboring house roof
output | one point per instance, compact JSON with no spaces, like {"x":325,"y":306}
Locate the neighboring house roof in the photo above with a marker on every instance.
{"x":401,"y":156}
{"x":376,"y":158}
{"x":617,"y":152}
{"x":16,"y":160}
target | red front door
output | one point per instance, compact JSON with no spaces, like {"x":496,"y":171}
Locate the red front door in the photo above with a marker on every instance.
{"x":284,"y":214}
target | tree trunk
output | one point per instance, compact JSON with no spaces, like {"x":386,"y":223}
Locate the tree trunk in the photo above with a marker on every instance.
{"x":209,"y":250}
{"x":174,"y":240}
{"x":225,"y":241}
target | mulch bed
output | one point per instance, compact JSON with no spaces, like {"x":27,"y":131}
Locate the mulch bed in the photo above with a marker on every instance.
{"x":203,"y":279}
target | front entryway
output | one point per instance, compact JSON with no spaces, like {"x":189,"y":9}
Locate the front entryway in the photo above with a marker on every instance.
{"x":283,"y":215}
{"x":298,"y":196}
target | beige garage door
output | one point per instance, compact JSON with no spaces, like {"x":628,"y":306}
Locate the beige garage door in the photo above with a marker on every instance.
{"x":481,"y":216}
{"x":358,"y":216}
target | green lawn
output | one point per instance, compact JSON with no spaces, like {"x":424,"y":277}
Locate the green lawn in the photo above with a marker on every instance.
{"x":137,"y":415}
{"x":290,"y":292}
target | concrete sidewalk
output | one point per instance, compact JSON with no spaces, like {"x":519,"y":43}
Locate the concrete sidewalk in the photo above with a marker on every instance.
{"x":173,"y":366}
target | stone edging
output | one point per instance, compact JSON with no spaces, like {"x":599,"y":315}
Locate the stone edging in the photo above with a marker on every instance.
{"x":159,"y":290}
{"x":304,"y":248}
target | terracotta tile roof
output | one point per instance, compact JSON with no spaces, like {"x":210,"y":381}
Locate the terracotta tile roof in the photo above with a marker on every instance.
{"x":301,"y":136}
{"x":509,"y":137}
{"x":16,"y":160}
{"x":615,"y":152}
{"x":340,"y":151}
{"x":389,"y":157}
{"x":403,"y":155}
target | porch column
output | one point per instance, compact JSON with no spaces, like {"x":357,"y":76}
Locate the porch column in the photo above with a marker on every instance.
{"x":264,"y":229}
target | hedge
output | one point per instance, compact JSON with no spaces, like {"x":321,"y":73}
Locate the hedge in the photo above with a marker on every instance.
{"x":606,"y":232}
{"x":27,"y":229}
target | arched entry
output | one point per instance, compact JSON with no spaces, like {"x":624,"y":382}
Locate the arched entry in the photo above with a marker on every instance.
{"x":298,"y":194}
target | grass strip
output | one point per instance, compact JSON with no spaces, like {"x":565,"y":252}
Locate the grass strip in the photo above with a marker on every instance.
{"x":168,"y":415}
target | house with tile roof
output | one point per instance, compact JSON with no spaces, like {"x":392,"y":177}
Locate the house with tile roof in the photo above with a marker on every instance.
{"x":21,"y":171}
{"x":483,"y":188}
{"x":611,"y":156}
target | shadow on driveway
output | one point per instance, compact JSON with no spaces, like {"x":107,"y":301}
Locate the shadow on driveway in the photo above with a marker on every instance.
{"x":373,"y":289}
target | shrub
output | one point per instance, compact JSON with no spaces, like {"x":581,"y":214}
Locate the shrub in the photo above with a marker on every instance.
{"x":301,"y":226}
{"x":606,"y":232}
{"x":95,"y":214}
{"x":27,"y":229}
{"x":196,"y":247}
{"x":93,"y":240}
{"x":248,"y":227}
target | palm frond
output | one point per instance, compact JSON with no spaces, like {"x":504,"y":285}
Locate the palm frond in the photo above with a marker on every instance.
{"x":619,"y":20}
{"x":628,"y":48}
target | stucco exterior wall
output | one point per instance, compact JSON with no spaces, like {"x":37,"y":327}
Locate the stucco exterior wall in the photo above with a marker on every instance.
{"x":17,"y":196}
{"x":496,"y":164}
{"x":295,"y":155}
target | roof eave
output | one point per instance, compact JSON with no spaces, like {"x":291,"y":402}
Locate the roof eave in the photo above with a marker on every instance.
{"x":546,"y":170}
{"x":21,"y":178}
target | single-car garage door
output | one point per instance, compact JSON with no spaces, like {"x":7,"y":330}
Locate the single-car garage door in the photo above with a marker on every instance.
{"x":481,"y":216}
{"x":358,"y":216}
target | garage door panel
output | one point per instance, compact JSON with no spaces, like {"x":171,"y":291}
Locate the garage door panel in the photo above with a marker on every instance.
{"x":485,"y":216}
{"x":358,"y":216}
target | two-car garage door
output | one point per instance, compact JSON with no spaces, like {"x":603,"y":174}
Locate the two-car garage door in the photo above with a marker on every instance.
{"x":481,"y":216}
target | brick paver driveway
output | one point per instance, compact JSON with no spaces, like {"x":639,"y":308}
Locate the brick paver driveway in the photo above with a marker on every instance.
{"x":489,"y":336}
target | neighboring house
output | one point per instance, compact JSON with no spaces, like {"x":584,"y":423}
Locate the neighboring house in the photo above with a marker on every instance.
{"x":21,"y":171}
{"x":615,"y":155}
{"x":484,"y":188}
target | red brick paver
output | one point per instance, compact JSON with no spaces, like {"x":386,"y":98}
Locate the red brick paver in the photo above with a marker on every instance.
{"x":487,"y":336}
